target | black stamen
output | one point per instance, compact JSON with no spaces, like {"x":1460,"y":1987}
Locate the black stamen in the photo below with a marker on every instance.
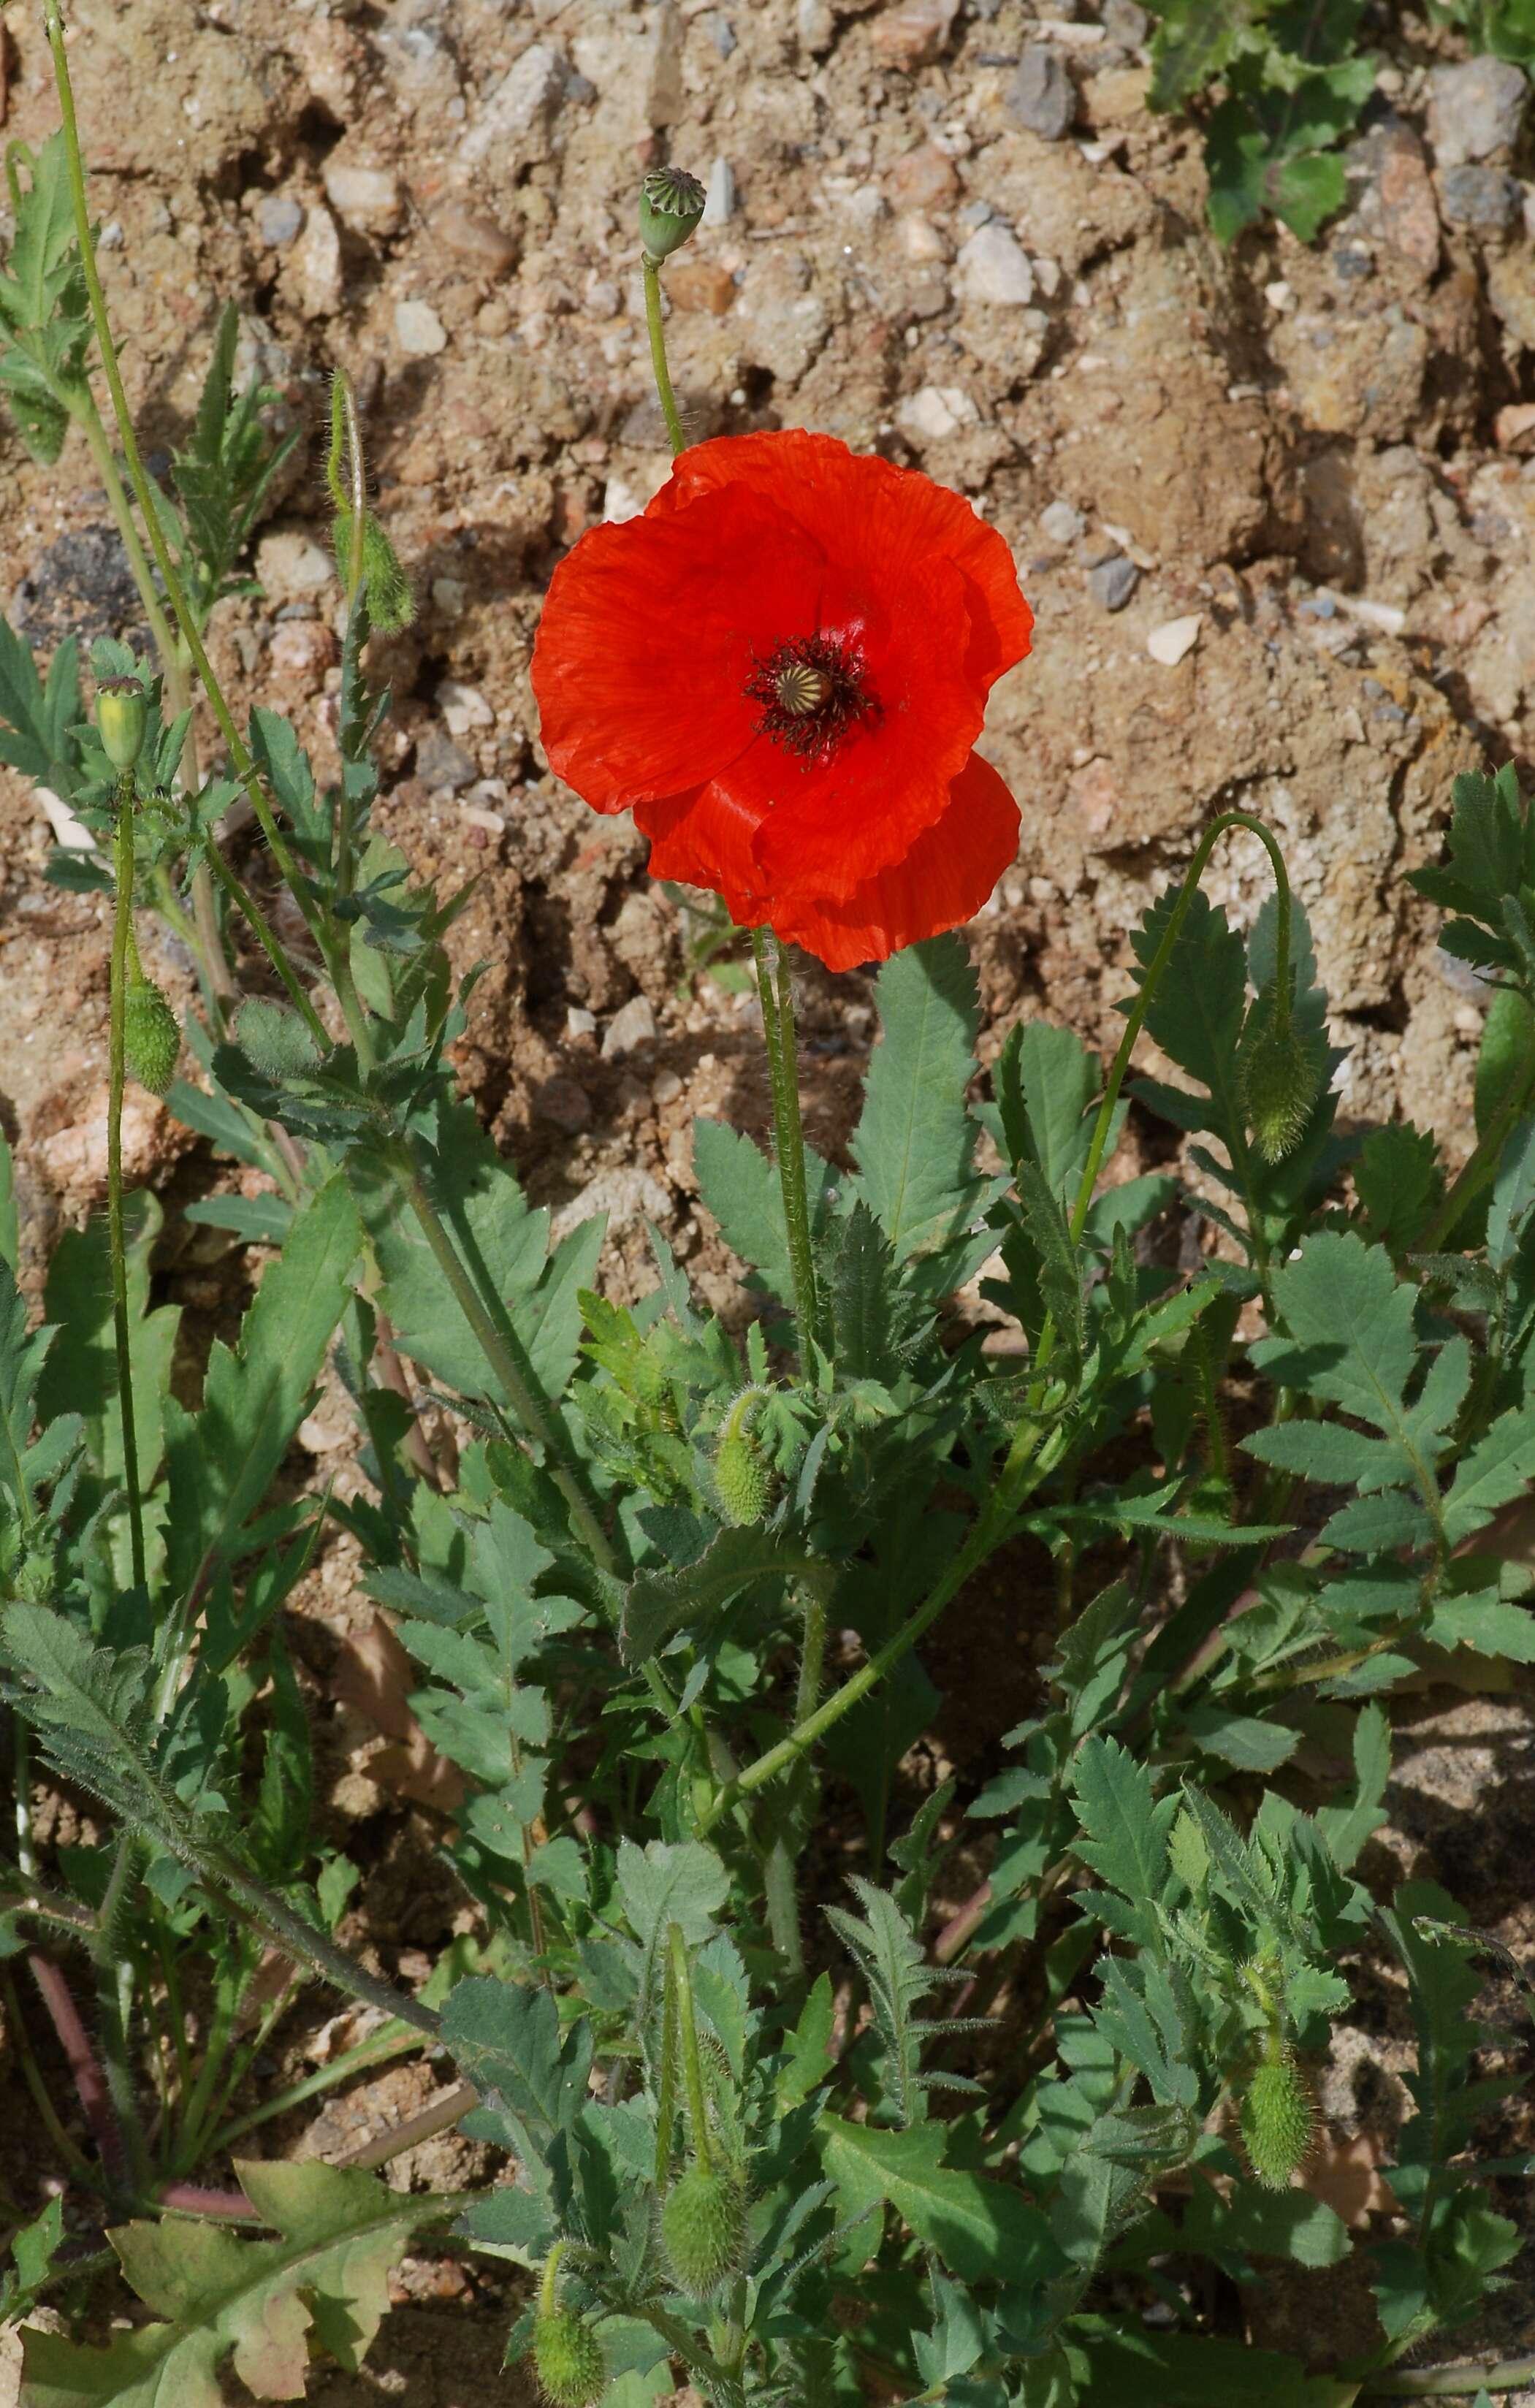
{"x":813,"y":692}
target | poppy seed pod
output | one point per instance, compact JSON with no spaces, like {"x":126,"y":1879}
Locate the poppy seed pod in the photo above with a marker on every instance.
{"x":1277,"y":1080}
{"x":671,"y":202}
{"x":122,"y":715}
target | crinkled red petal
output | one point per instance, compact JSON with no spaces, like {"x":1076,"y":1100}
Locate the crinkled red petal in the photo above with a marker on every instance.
{"x":876,"y":520}
{"x":702,"y":838}
{"x":649,"y":635}
{"x":825,"y":828}
{"x":942,"y":882}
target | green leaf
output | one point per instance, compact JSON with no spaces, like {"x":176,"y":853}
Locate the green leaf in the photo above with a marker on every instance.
{"x":36,"y":719}
{"x":258,"y":2302}
{"x":1197,"y":1011}
{"x":915,"y":1140}
{"x":1494,"y":1625}
{"x":1059,"y":1273}
{"x":741,"y":1188}
{"x":1125,"y":1825}
{"x":1504,"y":1055}
{"x":1346,"y":1828}
{"x":506,"y":2039}
{"x":979,"y":2228}
{"x":809,"y":2062}
{"x":1194,"y":42}
{"x":1046,"y":1081}
{"x":657,"y":1604}
{"x":222,"y":1460}
{"x":81,"y":1374}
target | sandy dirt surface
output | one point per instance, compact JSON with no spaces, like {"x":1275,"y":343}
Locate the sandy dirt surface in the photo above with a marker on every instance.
{"x":1273,"y":509}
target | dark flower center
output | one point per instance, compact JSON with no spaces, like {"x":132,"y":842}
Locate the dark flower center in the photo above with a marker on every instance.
{"x":813,"y":692}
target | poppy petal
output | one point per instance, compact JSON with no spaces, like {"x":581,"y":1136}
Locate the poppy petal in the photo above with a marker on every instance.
{"x":704,"y":839}
{"x":871,"y":517}
{"x":638,"y":611}
{"x":943,"y":880}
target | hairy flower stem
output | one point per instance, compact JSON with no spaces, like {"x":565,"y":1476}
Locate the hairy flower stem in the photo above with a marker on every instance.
{"x":670,"y":410}
{"x":778,"y":1026}
{"x":122,"y":929}
{"x":269,"y":1913}
{"x":1452,"y":2382}
{"x":687,"y":2038}
{"x":1030,"y":1459}
{"x":508,"y":1359}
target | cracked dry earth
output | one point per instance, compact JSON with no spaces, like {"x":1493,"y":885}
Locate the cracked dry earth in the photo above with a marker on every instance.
{"x":1273,"y":507}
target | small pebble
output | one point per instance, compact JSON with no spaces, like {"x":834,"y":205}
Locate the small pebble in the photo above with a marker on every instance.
{"x":1481,"y":197}
{"x":279,"y":219}
{"x":579,"y":1021}
{"x":1061,"y":523}
{"x":441,"y":762}
{"x":1042,"y":96}
{"x":1113,"y":582}
{"x":720,"y":195}
{"x":1174,"y":638}
{"x":634,"y":1024}
{"x":418,"y":329}
{"x":564,"y":1104}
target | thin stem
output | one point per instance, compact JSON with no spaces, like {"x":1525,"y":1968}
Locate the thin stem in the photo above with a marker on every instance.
{"x":307,"y":1946}
{"x":270,"y":943}
{"x":507,"y":1357}
{"x":687,"y":2032}
{"x":670,"y":410}
{"x":448,"y":2109}
{"x":122,"y":941}
{"x":361,"y":2059}
{"x":245,"y":769}
{"x":90,"y":2085}
{"x":1030,"y":1459}
{"x":778,"y":1026}
{"x":32,"y":2074}
{"x":1453,"y":2382}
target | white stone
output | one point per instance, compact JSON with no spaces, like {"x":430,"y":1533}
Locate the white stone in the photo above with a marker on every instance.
{"x":366,"y":198}
{"x":463,"y":707}
{"x":992,"y":268}
{"x":921,"y":239}
{"x":1174,"y":637}
{"x":290,"y":568}
{"x":579,"y":1021}
{"x":720,"y":201}
{"x":1047,"y":277}
{"x":1060,"y":523}
{"x":619,"y":501}
{"x":937,"y":410}
{"x":419,"y":330}
{"x":315,"y":265}
{"x":633,"y":1024}
{"x":1279,"y":296}
{"x":517,"y":117}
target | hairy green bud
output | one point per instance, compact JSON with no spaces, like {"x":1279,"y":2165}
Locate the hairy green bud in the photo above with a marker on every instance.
{"x":744,"y":1479}
{"x":703,"y":2226}
{"x":122,"y":716}
{"x":273,"y":1039}
{"x":391,"y":604}
{"x":152,"y":1035}
{"x":671,"y":202}
{"x":572,"y":2370}
{"x":1277,"y":1080}
{"x":1277,"y":2121}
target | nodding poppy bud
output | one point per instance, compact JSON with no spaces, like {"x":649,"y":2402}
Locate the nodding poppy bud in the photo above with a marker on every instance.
{"x":744,"y":1480}
{"x":671,"y":202}
{"x":1277,"y":2121}
{"x":152,"y":1035}
{"x":572,"y":2371}
{"x":122,"y":714}
{"x":391,"y":604}
{"x":703,"y":2226}
{"x":1277,"y":1080}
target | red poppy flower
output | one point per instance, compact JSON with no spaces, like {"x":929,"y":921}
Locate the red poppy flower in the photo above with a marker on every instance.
{"x":783,"y":668}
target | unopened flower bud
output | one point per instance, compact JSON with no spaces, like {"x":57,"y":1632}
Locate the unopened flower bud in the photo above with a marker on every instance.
{"x":703,"y":2226}
{"x":671,"y":202}
{"x":572,"y":2371}
{"x":1277,"y":1079}
{"x":1277,"y":2121}
{"x":122,"y":714}
{"x":743,"y":1478}
{"x":152,"y":1035}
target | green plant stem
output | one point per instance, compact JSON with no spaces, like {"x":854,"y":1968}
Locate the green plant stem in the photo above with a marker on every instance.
{"x":778,"y":1028}
{"x":503,"y":1352}
{"x":1031,"y":1457}
{"x":307,"y":1946}
{"x":1453,"y":2382}
{"x":122,"y":940}
{"x":244,"y":767}
{"x":377,"y":2050}
{"x":270,"y":943}
{"x":1480,"y":1168}
{"x":670,"y":410}
{"x":687,"y":2033}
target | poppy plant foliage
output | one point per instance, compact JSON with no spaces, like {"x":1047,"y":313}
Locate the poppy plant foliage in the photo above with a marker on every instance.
{"x":781,"y":668}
